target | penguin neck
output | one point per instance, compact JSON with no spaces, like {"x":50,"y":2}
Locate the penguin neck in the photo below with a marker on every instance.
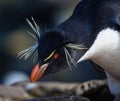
{"x":78,"y":31}
{"x":105,"y":51}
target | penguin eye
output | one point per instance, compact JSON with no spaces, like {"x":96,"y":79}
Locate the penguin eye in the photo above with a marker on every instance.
{"x":55,"y":56}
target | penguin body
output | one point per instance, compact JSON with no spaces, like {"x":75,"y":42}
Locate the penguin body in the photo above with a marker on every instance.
{"x":105,"y":52}
{"x":91,"y":33}
{"x":105,"y":49}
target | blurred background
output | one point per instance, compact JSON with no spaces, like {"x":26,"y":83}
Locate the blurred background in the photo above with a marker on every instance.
{"x":14,"y":38}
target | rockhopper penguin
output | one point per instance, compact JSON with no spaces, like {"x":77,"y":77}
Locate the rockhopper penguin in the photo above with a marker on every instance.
{"x":91,"y":33}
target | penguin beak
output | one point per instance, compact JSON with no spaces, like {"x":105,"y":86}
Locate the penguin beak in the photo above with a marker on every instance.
{"x":37,"y":72}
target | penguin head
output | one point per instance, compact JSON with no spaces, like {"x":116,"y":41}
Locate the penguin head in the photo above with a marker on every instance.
{"x":64,"y":45}
{"x":55,"y":51}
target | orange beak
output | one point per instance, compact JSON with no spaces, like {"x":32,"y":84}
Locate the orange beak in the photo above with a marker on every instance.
{"x":37,"y":72}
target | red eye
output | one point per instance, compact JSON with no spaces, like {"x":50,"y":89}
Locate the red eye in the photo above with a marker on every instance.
{"x":55,"y":56}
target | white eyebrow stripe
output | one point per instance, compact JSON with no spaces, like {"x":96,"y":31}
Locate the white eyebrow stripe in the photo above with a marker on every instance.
{"x":50,"y":56}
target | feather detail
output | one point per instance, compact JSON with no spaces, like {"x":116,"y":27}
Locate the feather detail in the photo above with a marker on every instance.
{"x":27,"y":52}
{"x":36,"y":35}
{"x":69,"y":59}
{"x":32,"y":35}
{"x":35,"y":28}
{"x":75,"y":46}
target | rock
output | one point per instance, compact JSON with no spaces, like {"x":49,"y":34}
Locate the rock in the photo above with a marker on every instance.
{"x":95,"y":90}
{"x":60,"y":98}
{"x":9,"y":93}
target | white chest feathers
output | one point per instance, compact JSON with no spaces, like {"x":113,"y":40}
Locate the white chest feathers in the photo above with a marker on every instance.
{"x":105,"y":52}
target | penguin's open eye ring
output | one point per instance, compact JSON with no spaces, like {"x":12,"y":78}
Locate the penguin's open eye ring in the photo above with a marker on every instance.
{"x":55,"y":56}
{"x":52,"y":55}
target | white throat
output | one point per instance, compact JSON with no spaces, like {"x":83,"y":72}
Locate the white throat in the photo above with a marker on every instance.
{"x":108,"y":40}
{"x":105,"y":52}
